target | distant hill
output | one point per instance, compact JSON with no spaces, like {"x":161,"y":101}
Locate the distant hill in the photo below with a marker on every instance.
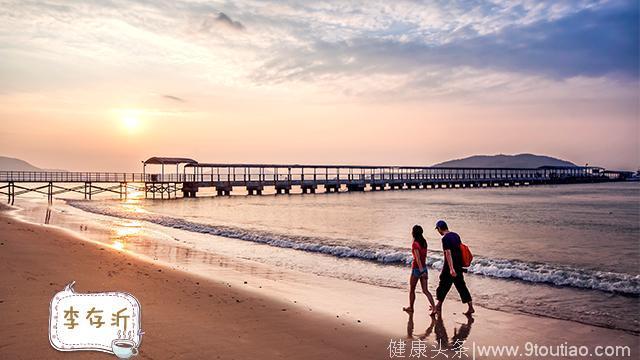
{"x":505,"y":161}
{"x":13,"y":164}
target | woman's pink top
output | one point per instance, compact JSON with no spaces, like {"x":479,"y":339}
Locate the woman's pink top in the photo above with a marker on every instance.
{"x":423,"y":255}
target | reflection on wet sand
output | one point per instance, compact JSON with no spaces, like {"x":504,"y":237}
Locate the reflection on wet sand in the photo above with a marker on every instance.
{"x":47,"y":216}
{"x":441,"y":339}
{"x":461,"y":333}
{"x":136,"y":237}
{"x":188,"y":258}
{"x":123,"y":232}
{"x":127,"y":229}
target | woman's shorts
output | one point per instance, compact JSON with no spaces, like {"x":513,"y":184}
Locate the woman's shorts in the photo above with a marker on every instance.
{"x":416,"y":272}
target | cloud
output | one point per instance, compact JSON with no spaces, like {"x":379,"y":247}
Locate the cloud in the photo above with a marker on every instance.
{"x":174,"y":98}
{"x":223,"y":20}
{"x":437,"y":47}
{"x":593,"y":42}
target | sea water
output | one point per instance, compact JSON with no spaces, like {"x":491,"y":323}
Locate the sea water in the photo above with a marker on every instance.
{"x":565,"y":251}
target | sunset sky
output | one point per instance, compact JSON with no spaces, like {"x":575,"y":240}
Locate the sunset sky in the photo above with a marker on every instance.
{"x":102,"y":85}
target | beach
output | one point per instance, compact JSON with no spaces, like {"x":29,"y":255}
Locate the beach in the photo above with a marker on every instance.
{"x":190,"y":316}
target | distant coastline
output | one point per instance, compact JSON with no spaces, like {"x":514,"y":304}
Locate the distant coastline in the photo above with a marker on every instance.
{"x":15,"y":164}
{"x":506,"y":161}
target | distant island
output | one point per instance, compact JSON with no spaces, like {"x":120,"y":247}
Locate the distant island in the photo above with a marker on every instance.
{"x":13,"y":164}
{"x":505,"y":161}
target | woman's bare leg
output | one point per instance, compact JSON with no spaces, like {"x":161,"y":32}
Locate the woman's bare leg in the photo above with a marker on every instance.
{"x":425,"y":290}
{"x":413,"y":281}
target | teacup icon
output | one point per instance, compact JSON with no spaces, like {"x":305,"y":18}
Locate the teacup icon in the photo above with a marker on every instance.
{"x":124,"y":348}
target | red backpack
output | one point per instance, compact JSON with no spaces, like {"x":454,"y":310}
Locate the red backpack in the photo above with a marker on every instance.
{"x":465,"y":255}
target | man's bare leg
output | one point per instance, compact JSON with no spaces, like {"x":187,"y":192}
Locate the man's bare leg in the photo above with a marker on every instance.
{"x":470,"y":310}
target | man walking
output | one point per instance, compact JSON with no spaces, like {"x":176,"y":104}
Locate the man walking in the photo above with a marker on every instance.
{"x":452,"y":272}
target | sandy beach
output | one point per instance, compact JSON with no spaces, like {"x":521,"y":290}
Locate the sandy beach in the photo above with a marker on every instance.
{"x":188,"y":317}
{"x":192,"y":317}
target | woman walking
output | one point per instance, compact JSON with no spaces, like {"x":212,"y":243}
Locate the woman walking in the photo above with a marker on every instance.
{"x":419,"y":270}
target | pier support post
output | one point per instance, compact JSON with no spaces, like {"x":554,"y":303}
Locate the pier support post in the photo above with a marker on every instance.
{"x":283,"y":187}
{"x":254,"y":189}
{"x":123,"y":190}
{"x":355,"y":187}
{"x":11,"y":193}
{"x":223,"y":191}
{"x":331,"y":188}
{"x":308,"y":189}
{"x":188,"y":193}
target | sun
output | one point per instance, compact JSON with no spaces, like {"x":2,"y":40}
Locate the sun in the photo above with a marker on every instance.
{"x":131,"y":123}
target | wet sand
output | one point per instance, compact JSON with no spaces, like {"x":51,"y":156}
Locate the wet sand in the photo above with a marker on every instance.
{"x":188,"y":316}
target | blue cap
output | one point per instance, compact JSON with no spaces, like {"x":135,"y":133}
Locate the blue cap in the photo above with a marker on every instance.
{"x":441,"y":225}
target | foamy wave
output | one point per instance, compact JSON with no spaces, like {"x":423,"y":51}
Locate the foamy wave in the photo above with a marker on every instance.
{"x":499,"y":268}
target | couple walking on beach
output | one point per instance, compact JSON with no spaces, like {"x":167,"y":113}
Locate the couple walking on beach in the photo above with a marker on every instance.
{"x":452,"y":269}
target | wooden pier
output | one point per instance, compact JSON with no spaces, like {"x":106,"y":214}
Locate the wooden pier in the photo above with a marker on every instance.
{"x":51,"y":183}
{"x":190,"y":176}
{"x":334,"y":178}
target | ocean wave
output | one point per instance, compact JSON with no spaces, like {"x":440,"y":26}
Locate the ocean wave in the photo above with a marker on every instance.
{"x":558,"y":275}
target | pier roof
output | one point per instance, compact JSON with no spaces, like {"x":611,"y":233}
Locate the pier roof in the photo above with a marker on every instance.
{"x":169,"y":160}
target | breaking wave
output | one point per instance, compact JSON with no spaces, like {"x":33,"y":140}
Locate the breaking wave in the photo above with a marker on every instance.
{"x":558,"y":275}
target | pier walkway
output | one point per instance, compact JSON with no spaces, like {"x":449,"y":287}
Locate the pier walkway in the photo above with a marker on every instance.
{"x":190,"y":176}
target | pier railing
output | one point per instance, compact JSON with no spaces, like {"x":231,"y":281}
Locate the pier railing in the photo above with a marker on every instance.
{"x":255,"y":177}
{"x":71,"y":177}
{"x":321,"y":174}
